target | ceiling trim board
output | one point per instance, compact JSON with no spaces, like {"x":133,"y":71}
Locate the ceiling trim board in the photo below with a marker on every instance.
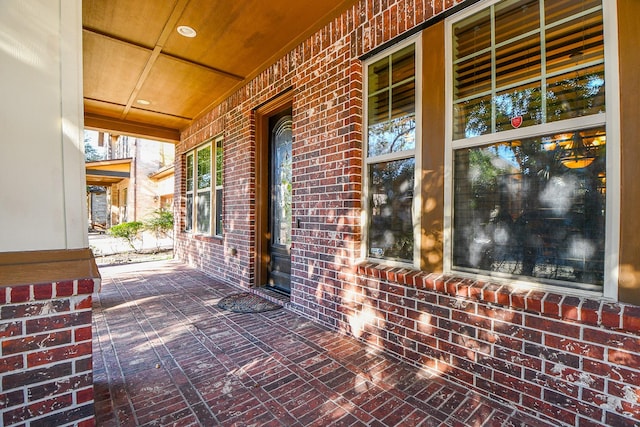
{"x":127,"y":127}
{"x":143,"y":77}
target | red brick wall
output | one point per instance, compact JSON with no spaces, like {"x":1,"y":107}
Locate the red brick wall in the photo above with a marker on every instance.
{"x":46,"y":360}
{"x":562,"y":358}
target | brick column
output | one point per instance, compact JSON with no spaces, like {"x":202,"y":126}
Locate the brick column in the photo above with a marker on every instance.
{"x":46,"y":371}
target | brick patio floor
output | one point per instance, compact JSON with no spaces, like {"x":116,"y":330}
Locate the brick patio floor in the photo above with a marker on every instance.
{"x":165,"y":354}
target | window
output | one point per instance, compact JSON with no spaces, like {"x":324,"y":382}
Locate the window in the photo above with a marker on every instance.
{"x":218,"y":187}
{"x":123,"y":204}
{"x":201,"y":167}
{"x":528,"y":142}
{"x":390,"y":156}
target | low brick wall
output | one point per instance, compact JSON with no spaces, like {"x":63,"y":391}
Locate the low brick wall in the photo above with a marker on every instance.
{"x":564,"y":359}
{"x":46,"y":371}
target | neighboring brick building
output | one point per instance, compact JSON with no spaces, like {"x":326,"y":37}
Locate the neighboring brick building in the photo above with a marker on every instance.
{"x":430,"y":177}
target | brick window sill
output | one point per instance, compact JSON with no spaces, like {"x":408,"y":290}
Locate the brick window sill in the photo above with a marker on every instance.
{"x":202,"y":237}
{"x":589,"y":311}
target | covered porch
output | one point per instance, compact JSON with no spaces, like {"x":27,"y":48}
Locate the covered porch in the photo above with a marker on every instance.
{"x":165,"y":354}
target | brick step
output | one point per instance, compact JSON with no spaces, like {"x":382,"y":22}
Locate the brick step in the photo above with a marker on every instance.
{"x":273,"y":296}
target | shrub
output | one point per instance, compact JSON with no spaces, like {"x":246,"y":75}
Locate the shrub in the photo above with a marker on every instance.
{"x":129,"y":231}
{"x":160,"y":224}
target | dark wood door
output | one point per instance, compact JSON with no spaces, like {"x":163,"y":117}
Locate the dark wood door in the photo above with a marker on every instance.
{"x":279,"y":269}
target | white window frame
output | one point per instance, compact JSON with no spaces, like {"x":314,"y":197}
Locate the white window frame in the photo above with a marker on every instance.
{"x":416,"y":153}
{"x":189,"y":161}
{"x":193,"y":154}
{"x":218,"y":142}
{"x":611,"y":119}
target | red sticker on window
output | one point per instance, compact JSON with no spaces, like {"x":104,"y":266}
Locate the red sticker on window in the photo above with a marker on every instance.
{"x":516,"y":121}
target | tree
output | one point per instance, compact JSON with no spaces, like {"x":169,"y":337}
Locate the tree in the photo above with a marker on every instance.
{"x":90,"y":153}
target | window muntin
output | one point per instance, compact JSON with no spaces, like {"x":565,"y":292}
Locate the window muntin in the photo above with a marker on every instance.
{"x":391,"y":155}
{"x":203,"y":195}
{"x":528,"y":145}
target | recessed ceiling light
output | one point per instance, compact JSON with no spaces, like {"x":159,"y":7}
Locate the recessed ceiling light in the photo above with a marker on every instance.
{"x":186,"y":31}
{"x":143,"y":102}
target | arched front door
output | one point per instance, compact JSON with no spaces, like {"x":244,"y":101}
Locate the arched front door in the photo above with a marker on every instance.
{"x":280,"y":203}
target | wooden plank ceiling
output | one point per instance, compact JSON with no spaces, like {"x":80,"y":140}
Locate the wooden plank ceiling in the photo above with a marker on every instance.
{"x":142,"y":78}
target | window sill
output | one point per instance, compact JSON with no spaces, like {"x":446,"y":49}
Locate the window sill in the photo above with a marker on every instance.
{"x":203,"y":237}
{"x":589,"y":311}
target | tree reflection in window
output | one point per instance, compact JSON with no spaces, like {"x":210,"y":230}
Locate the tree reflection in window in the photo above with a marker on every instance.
{"x":392,"y":136}
{"x":390,"y":155}
{"x":527,"y":208}
{"x":390,"y":213}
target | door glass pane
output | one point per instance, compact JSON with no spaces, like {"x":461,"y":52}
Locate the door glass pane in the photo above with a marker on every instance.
{"x":282,"y":174}
{"x":390,"y":210}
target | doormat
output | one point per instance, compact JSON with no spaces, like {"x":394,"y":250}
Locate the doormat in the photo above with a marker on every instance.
{"x":246,"y":302}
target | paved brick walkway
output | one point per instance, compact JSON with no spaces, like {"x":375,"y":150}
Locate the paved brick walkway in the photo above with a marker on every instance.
{"x":166,"y":355}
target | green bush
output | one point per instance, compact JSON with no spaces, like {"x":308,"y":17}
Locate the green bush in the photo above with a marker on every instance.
{"x":129,"y":231}
{"x":160,"y":223}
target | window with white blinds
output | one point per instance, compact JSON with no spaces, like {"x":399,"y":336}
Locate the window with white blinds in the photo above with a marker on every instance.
{"x":520,"y":63}
{"x":528,"y":142}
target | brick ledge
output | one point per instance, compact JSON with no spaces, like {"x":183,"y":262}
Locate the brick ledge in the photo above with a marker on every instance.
{"x":34,"y":267}
{"x":614,"y":316}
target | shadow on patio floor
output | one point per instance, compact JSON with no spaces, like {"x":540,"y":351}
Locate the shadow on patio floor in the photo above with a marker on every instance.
{"x":165,"y":354}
